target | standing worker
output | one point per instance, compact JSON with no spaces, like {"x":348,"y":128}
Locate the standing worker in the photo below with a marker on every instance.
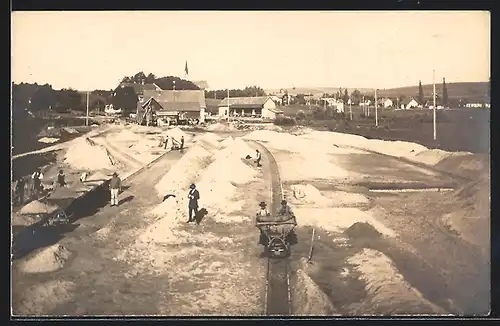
{"x":259,"y":157}
{"x":193,"y":197}
{"x":166,"y":142}
{"x":114,"y":187}
{"x":182,"y":143}
{"x":61,"y":179}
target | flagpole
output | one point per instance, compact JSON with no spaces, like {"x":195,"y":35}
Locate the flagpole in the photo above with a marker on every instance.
{"x":434,"y":103}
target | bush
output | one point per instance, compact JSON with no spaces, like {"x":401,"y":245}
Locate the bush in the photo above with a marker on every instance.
{"x":300,"y":115}
{"x":285,"y":121}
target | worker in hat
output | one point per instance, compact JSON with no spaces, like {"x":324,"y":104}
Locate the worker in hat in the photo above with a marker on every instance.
{"x":285,"y":212}
{"x":262,"y":215}
{"x":258,"y":157}
{"x":193,"y":196}
{"x":115,"y":185}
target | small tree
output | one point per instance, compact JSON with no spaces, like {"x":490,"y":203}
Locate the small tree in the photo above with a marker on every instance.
{"x":421,"y":98}
{"x":445,"y":93}
{"x":346,"y":96}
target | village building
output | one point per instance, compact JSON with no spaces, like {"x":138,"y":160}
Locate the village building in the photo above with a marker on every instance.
{"x":385,"y":102}
{"x":167,"y":105}
{"x":336,"y":104}
{"x":259,"y":107}
{"x":409,"y":103}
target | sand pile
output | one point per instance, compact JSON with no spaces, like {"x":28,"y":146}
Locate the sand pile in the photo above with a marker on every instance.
{"x":388,"y":292}
{"x":85,"y":155}
{"x":308,"y":298}
{"x":431,"y":156}
{"x":394,"y":148}
{"x":300,"y":130}
{"x":37,"y":207}
{"x":177,"y":133}
{"x":48,"y":140}
{"x":210,"y":139}
{"x":49,"y":259}
{"x":338,"y":219}
{"x":222,"y":127}
{"x":127,"y":136}
{"x":177,"y":180}
{"x":219,"y":184}
{"x":308,"y":167}
{"x":308,"y":194}
{"x":236,"y":147}
{"x":41,"y":299}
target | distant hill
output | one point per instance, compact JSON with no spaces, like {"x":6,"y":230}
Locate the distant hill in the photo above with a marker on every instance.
{"x":472,"y":91}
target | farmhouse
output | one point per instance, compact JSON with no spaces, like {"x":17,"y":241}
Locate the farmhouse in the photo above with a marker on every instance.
{"x":178,"y":104}
{"x":385,"y":102}
{"x":262,"y":106}
{"x":276,"y":99}
{"x":409,"y":103}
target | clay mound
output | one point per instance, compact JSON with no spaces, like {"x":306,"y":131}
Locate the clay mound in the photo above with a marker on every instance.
{"x":309,"y":299}
{"x":362,"y":230}
{"x":85,"y":154}
{"x":470,"y":166}
{"x":388,"y":293}
{"x":475,"y":194}
{"x":48,"y":259}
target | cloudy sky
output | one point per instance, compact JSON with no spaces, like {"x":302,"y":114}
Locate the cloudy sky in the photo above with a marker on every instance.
{"x":94,"y":50}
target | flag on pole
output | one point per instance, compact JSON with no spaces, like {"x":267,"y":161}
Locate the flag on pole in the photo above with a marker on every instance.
{"x":186,"y":68}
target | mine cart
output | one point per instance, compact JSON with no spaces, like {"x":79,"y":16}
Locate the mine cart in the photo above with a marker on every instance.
{"x":277,"y":236}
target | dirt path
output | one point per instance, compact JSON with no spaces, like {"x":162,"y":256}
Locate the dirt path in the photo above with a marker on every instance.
{"x":101,"y":285}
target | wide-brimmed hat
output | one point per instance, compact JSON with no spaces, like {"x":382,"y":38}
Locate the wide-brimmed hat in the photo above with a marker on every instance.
{"x":262,"y":204}
{"x":283,"y":202}
{"x":192,"y":186}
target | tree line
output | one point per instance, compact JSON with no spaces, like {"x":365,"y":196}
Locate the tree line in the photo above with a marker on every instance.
{"x":250,"y":91}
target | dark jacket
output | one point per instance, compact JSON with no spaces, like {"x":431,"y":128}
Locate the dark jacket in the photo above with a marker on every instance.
{"x":193,"y":196}
{"x":115,"y":182}
{"x":61,"y":179}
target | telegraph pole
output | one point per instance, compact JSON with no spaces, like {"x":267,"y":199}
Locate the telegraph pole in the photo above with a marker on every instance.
{"x":350,"y":107}
{"x":434,"y":103}
{"x":87,"y":117}
{"x":376,"y":109}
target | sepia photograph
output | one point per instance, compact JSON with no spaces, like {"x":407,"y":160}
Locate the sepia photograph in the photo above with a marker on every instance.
{"x":250,"y":163}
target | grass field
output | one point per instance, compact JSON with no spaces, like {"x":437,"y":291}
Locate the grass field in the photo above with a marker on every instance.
{"x":457,"y":130}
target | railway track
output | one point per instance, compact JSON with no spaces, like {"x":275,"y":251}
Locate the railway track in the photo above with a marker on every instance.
{"x":278,"y":298}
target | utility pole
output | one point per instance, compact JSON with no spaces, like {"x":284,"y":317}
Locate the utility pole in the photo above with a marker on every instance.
{"x":364,"y":106}
{"x":434,"y":103}
{"x":376,"y":108}
{"x":350,"y":107}
{"x":87,"y":117}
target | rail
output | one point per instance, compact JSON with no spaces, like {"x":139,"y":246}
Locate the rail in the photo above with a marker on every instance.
{"x":278,"y":298}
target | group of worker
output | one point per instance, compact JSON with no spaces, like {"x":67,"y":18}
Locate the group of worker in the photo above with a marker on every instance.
{"x":175,"y":144}
{"x":32,"y":186}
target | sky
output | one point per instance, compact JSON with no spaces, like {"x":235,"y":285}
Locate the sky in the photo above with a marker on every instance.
{"x":271,"y":49}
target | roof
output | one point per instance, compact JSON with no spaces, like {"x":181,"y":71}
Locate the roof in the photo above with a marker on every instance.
{"x":277,"y":111}
{"x":407,"y":101}
{"x":174,"y":106}
{"x":138,"y":88}
{"x":246,"y":101}
{"x":212,"y":102}
{"x":180,"y":96}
